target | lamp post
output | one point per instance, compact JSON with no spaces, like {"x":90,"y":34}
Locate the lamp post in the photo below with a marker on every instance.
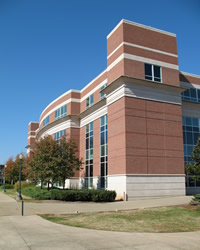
{"x":19,"y":197}
{"x":4,"y":179}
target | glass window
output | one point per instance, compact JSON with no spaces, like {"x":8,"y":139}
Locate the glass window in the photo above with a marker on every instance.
{"x":89,"y":155}
{"x":148,"y":71}
{"x":61,"y":112}
{"x":157,"y":76}
{"x":46,"y":121}
{"x":195,"y":122}
{"x":152,"y":72}
{"x":192,"y":95}
{"x":102,"y":87}
{"x":89,"y":101}
{"x":103,"y":152}
{"x":191,"y":133}
{"x":59,"y":135}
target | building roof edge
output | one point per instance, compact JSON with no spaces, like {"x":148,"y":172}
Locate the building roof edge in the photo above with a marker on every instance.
{"x":142,"y":26}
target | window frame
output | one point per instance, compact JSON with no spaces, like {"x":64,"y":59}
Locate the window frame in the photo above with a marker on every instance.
{"x":89,"y":101}
{"x":46,"y":121}
{"x":153,"y":77}
{"x":102,"y":96}
{"x":58,"y":114}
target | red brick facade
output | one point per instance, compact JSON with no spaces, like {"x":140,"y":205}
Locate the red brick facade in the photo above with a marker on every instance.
{"x":145,"y":134}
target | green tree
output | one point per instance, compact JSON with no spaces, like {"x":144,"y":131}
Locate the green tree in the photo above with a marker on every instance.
{"x":42,"y":167}
{"x":12,"y":170}
{"x":68,"y":161}
{"x":53,"y":161}
{"x":194,"y":168}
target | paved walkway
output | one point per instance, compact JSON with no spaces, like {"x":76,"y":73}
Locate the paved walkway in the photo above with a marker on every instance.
{"x":56,"y":207}
{"x":33,"y":232}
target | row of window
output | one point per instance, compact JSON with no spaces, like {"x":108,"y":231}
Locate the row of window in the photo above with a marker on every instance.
{"x":59,"y":135}
{"x":61,"y":112}
{"x":192,"y":95}
{"x":152,"y":72}
{"x":191,"y":182}
{"x":90,"y":100}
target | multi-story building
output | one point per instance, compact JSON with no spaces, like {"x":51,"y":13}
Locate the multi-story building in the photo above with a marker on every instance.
{"x":127,"y":122}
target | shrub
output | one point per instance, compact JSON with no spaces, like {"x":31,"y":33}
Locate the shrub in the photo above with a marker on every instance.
{"x":103,"y":196}
{"x":36,"y":193}
{"x":69,"y":195}
{"x":197,"y":197}
{"x":23,"y":185}
{"x":8,"y":186}
{"x":83,"y":195}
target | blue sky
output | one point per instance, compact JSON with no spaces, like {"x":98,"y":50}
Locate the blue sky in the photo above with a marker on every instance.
{"x":50,"y":46}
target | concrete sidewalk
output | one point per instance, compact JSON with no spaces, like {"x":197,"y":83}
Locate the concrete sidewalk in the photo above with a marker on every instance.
{"x":35,"y":233}
{"x":57,"y":207}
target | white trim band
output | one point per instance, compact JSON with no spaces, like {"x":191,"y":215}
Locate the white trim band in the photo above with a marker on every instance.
{"x":142,"y":26}
{"x":141,"y":47}
{"x":142,"y":59}
{"x":31,"y":136}
{"x":188,"y":74}
{"x":93,"y":116}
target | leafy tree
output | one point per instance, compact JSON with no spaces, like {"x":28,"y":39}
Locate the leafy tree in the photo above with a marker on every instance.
{"x":194,"y":168}
{"x":42,"y":161}
{"x":11,"y":174}
{"x":67,"y":161}
{"x":53,"y":161}
{"x":12,"y":170}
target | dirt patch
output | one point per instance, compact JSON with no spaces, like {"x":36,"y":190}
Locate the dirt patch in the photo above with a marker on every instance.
{"x":187,"y":206}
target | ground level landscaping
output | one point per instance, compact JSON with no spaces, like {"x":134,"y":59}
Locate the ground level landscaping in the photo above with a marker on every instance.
{"x":36,"y":193}
{"x":156,"y":220}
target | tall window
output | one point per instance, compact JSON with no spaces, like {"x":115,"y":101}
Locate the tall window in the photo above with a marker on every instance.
{"x":89,"y":101}
{"x":191,"y":133}
{"x":102,"y":87}
{"x":61,"y":112}
{"x":103,"y":150}
{"x":46,"y":121}
{"x":59,"y":134}
{"x":152,"y":72}
{"x":89,"y":155}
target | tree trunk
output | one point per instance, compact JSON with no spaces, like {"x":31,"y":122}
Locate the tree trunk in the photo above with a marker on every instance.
{"x":48,"y":186}
{"x":63,"y":183}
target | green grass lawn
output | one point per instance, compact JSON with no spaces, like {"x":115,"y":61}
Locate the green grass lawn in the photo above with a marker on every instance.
{"x":157,"y":220}
{"x":13,"y":194}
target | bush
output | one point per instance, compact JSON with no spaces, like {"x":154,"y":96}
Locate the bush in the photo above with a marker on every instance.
{"x":83,"y":195}
{"x":36,"y":193}
{"x":8,"y":186}
{"x":23,"y":185}
{"x":196,"y":197}
{"x":69,"y":195}
{"x":103,"y":196}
